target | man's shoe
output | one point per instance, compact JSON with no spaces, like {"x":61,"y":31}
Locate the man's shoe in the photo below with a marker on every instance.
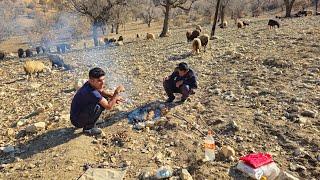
{"x":92,"y":131}
{"x":170,"y":100}
{"x":100,"y":121}
{"x":182,"y":100}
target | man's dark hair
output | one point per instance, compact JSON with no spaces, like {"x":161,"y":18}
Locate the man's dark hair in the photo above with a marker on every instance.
{"x":183,"y":66}
{"x":96,"y":73}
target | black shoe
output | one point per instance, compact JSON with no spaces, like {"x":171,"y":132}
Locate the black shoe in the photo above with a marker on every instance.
{"x":181,"y":101}
{"x":170,"y":100}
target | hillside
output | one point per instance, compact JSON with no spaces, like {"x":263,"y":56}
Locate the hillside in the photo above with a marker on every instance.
{"x":259,"y":92}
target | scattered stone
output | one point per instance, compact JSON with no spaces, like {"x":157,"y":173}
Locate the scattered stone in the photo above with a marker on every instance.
{"x":103,"y":174}
{"x":7,"y":149}
{"x":159,"y":157}
{"x":40,"y":125}
{"x":33,"y":128}
{"x":10,"y":132}
{"x":139,"y":125}
{"x":145,"y":175}
{"x":234,"y":125}
{"x":228,"y":151}
{"x":298,"y":151}
{"x":308,"y":113}
{"x":164,"y":172}
{"x":286,"y":176}
{"x":185,"y":175}
{"x":22,"y":122}
{"x":200,"y":107}
{"x":303,"y":120}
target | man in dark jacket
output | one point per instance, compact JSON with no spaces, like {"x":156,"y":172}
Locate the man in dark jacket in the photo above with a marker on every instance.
{"x":182,"y":80}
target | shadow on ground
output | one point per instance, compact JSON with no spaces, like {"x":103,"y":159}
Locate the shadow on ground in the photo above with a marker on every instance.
{"x":41,"y":143}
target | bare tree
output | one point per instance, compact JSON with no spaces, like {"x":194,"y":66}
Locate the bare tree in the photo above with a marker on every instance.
{"x":288,"y":5}
{"x":150,"y":12}
{"x":168,"y":5}
{"x":7,"y":19}
{"x":256,"y":7}
{"x":98,"y":11}
{"x":316,"y":2}
{"x":223,"y":5}
{"x":215,"y":19}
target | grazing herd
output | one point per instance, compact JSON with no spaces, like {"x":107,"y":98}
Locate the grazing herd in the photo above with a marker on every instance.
{"x":197,"y":37}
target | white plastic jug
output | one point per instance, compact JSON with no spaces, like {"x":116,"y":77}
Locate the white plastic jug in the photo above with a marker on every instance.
{"x":270,"y":171}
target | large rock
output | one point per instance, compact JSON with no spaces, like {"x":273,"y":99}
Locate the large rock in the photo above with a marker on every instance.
{"x":308,"y":113}
{"x":102,"y":174}
{"x":185,"y":175}
{"x":228,"y":151}
{"x":79,"y":83}
{"x":286,"y":176}
{"x":33,"y":128}
{"x":7,"y":149}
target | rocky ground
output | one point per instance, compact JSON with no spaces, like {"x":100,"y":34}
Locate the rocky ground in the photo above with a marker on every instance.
{"x":259,"y":92}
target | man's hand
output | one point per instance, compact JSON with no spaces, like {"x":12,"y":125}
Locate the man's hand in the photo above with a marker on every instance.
{"x":119,"y":100}
{"x":179,"y":83}
{"x":166,"y":78}
{"x":119,"y":89}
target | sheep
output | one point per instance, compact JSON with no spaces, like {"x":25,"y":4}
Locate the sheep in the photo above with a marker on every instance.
{"x":20,"y":53}
{"x":45,"y":50}
{"x":38,"y":49}
{"x":105,"y":40}
{"x":188,"y":34}
{"x":198,"y":27}
{"x":194,"y":34}
{"x":120,"y":38}
{"x":240,"y":24}
{"x":112,"y":40}
{"x":29,"y":53}
{"x":245,"y":23}
{"x":2,"y":55}
{"x":57,"y":61}
{"x":34,"y":67}
{"x":150,"y":36}
{"x":119,"y":43}
{"x":273,"y":23}
{"x":224,"y":24}
{"x":204,"y":41}
{"x":196,"y":44}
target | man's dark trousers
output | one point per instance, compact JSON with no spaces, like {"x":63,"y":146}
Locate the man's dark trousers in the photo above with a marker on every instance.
{"x":88,"y":118}
{"x":170,"y":88}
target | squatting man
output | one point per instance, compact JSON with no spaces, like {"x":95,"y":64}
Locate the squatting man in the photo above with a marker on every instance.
{"x":90,"y":100}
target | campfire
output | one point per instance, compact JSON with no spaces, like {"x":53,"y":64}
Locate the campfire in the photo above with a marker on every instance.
{"x":147,"y":115}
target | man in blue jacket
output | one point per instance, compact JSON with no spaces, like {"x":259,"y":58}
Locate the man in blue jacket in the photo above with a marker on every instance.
{"x":182,"y":80}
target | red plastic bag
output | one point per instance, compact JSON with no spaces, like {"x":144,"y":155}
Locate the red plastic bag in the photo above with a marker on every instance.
{"x":256,"y":160}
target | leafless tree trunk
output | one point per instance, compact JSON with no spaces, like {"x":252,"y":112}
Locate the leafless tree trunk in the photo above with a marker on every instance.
{"x":288,"y":5}
{"x":168,"y":4}
{"x":215,"y":20}
{"x":166,"y":21}
{"x":98,"y":11}
{"x":117,"y":28}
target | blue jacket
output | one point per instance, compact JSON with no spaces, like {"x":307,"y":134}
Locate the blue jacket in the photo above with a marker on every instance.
{"x":189,"y":79}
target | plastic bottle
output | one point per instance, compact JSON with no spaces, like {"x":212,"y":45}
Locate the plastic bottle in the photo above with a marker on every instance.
{"x":209,"y":147}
